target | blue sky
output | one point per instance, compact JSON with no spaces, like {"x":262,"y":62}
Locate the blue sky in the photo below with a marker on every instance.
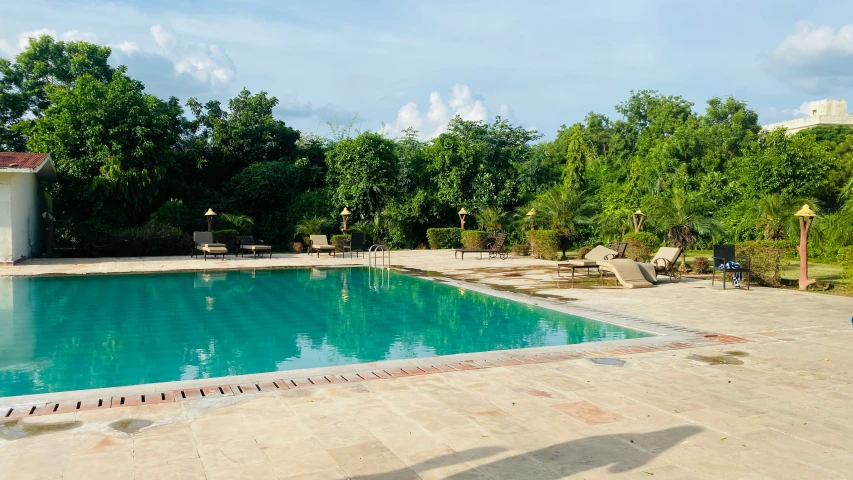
{"x":398,"y":63}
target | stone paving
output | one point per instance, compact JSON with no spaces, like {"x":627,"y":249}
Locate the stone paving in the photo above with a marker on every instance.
{"x":778,"y":406}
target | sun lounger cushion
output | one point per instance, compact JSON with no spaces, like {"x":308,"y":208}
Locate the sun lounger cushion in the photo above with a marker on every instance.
{"x":582,"y":263}
{"x":215,"y":250}
{"x":593,"y":257}
{"x":212,"y":245}
{"x":627,"y":272}
{"x":256,"y":248}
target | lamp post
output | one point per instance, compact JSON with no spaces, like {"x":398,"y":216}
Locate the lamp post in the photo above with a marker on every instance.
{"x":806,"y":215}
{"x":345,"y":213}
{"x":210,"y":214}
{"x":638,"y":218}
{"x":462,"y":213}
{"x":530,"y":215}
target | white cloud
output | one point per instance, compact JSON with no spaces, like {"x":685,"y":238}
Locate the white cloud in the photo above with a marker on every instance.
{"x":71,"y":35}
{"x":462,"y":102}
{"x":126,"y":48}
{"x":207,"y":64}
{"x":163,"y":37}
{"x":815,"y":58}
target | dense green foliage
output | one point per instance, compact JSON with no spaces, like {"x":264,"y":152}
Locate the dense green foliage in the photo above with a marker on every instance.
{"x":641,"y":245}
{"x":846,"y":261}
{"x":544,"y":244}
{"x":474,"y":239}
{"x":702,"y":175}
{"x":444,"y":237}
{"x":147,"y":240}
{"x":227,"y":236}
{"x":765,"y":260}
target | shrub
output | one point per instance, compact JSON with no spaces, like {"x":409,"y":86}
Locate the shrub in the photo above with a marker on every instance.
{"x":845,"y":260}
{"x":474,"y":239}
{"x":520,"y":249}
{"x":765,"y":260}
{"x":544,"y":244}
{"x":338,"y":241}
{"x":583,"y":251}
{"x":227,"y":236}
{"x":701,"y":265}
{"x":151,"y":239}
{"x":440,"y":238}
{"x":641,"y":245}
{"x":173,"y":213}
{"x":296,"y":247}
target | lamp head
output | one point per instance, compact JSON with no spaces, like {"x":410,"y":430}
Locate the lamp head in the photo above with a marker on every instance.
{"x":531,"y":212}
{"x":210,"y":213}
{"x":462,"y":211}
{"x":345,"y":212}
{"x":806,"y":211}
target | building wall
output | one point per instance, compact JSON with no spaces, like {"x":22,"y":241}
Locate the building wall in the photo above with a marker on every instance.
{"x":6,"y":217}
{"x":20,"y":221}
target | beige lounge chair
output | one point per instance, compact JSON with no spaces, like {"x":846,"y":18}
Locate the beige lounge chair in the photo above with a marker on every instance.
{"x":320,"y":243}
{"x":204,"y":244}
{"x":627,"y":272}
{"x":663,"y":263}
{"x":247,"y":243}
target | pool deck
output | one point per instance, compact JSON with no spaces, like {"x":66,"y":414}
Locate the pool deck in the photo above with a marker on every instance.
{"x":779,"y":406}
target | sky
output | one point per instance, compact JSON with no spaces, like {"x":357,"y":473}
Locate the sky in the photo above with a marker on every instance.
{"x":391,"y":64}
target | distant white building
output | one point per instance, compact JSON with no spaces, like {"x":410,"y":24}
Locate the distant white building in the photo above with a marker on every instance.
{"x":20,"y":204}
{"x":823,"y":112}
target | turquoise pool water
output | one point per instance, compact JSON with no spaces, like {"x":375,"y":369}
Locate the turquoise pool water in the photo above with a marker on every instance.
{"x":78,"y":332}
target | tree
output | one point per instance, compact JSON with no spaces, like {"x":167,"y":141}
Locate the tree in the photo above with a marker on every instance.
{"x":682,"y":215}
{"x":25,"y":83}
{"x":490,"y":219}
{"x":363,"y":172}
{"x":563,"y":209}
{"x":776,"y":216}
{"x":112,"y":144}
{"x":245,"y":134}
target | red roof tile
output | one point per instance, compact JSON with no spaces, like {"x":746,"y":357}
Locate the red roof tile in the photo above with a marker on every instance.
{"x":22,"y":160}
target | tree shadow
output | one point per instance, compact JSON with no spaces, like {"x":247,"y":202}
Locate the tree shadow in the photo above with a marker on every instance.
{"x":620,"y":452}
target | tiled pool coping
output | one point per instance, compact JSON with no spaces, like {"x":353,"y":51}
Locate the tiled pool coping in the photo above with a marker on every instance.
{"x":666,"y":337}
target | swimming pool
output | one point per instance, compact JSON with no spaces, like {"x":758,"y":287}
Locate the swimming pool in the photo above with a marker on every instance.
{"x":79,"y":332}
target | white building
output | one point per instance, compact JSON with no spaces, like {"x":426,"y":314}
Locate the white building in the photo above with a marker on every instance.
{"x":21,"y":203}
{"x":823,"y":112}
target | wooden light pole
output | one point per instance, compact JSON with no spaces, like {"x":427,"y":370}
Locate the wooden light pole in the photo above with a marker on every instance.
{"x":638,"y":218}
{"x":530,"y":215}
{"x":210,"y":214}
{"x":806,"y":215}
{"x":462,"y":213}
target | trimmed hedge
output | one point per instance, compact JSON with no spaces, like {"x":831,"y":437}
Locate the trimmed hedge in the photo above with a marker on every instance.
{"x":641,"y":245}
{"x":151,"y":239}
{"x":544,"y":244}
{"x":338,"y":241}
{"x":765,"y":260}
{"x":228,"y":237}
{"x":440,"y":238}
{"x":520,"y":250}
{"x":845,"y":260}
{"x":474,"y":239}
{"x":583,"y":251}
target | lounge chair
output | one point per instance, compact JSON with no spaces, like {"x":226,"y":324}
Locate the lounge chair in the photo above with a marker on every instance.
{"x":494,"y":249}
{"x":320,"y":243}
{"x":246,"y":243}
{"x":355,"y":244}
{"x":627,"y":272}
{"x":589,"y":261}
{"x":663,"y":263}
{"x":203,"y":242}
{"x":619,"y":248}
{"x":723,"y":255}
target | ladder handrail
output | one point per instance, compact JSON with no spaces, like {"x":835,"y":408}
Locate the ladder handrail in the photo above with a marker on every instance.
{"x":373,"y":256}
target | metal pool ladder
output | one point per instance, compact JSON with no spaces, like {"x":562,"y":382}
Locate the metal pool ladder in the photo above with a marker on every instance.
{"x":375,"y":252}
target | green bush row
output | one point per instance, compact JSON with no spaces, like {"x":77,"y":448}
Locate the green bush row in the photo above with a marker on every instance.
{"x":474,"y":239}
{"x":338,"y":241}
{"x":228,"y":237}
{"x":440,"y":238}
{"x":544,"y":244}
{"x":151,"y":239}
{"x":845,"y":260}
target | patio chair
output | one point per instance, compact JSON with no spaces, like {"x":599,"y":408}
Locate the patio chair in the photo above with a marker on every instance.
{"x":663,"y":263}
{"x":203,"y":243}
{"x":494,"y":249}
{"x":355,"y":244}
{"x":627,"y":272}
{"x":724,"y":260}
{"x":619,"y":248}
{"x":320,"y":243}
{"x":247,"y":243}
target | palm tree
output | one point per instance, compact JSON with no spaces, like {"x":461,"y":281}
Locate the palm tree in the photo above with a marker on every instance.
{"x":310,"y":226}
{"x":562,"y":208}
{"x":238,"y":221}
{"x":776,"y":216}
{"x":613,"y":223}
{"x":682,"y":215}
{"x":491,"y":219}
